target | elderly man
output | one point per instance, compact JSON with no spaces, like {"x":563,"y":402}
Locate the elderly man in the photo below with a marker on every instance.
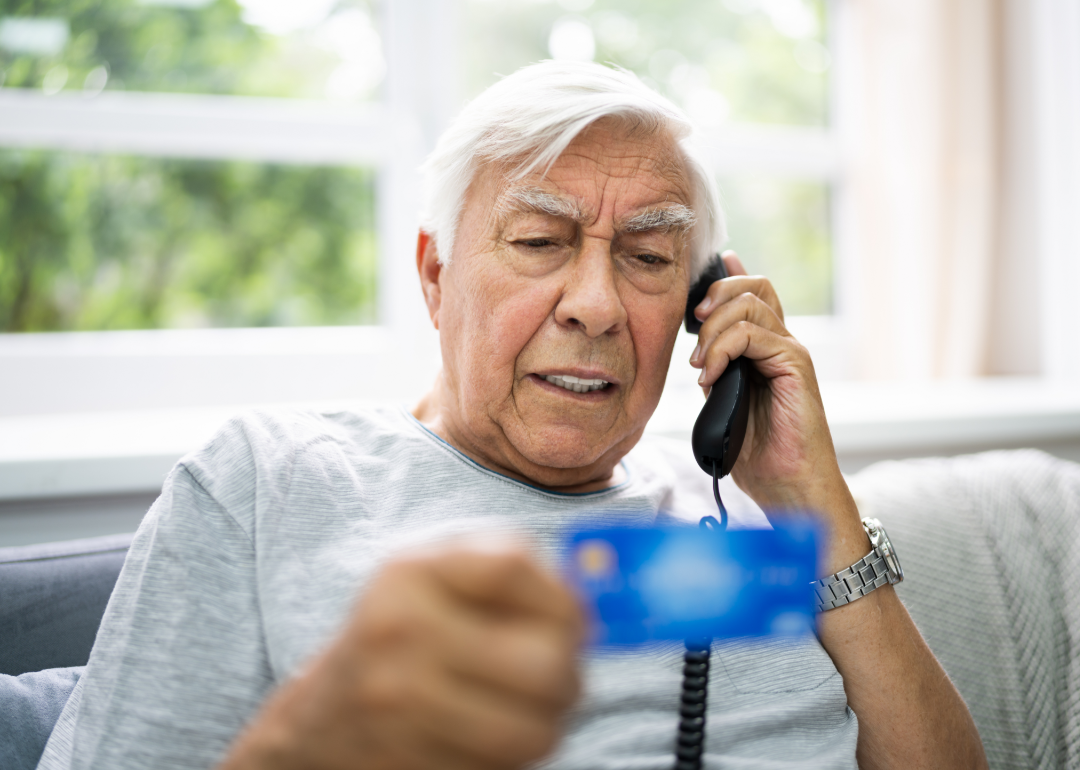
{"x":295,"y":598}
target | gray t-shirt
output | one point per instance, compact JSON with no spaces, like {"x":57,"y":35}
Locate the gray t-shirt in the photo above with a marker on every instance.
{"x":253,"y":557}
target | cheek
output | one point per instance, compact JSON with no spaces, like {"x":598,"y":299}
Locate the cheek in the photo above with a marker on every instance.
{"x":513,"y":324}
{"x":654,"y":336}
{"x":486,"y":330}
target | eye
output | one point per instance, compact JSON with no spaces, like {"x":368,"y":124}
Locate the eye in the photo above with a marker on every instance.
{"x":537,"y":243}
{"x":649,"y":259}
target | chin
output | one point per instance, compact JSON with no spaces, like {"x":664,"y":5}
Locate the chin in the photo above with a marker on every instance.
{"x":566,"y":448}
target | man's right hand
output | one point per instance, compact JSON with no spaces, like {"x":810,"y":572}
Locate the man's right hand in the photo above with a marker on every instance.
{"x":464,"y":657}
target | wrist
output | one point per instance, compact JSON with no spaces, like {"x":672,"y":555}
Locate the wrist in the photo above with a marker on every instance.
{"x":824,"y":495}
{"x":850,"y":625}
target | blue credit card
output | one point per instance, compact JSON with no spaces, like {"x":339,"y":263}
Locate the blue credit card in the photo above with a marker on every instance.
{"x":641,"y":585}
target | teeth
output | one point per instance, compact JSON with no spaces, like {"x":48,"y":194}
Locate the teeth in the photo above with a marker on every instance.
{"x":576,"y":384}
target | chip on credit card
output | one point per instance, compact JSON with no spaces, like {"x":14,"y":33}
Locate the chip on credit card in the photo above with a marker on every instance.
{"x":643,"y":585}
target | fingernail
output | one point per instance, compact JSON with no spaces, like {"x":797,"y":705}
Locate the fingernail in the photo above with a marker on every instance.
{"x":695,"y":354}
{"x":701,"y":379}
{"x":705,"y":306}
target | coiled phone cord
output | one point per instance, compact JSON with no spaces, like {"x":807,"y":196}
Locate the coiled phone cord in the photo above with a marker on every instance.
{"x":690,"y":741}
{"x":691,"y":738}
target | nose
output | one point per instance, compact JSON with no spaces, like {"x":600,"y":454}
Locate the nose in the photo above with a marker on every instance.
{"x":590,"y":299}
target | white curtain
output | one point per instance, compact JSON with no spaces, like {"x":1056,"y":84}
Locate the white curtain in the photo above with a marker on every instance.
{"x":925,"y":140}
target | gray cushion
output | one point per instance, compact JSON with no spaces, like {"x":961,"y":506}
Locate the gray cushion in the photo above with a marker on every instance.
{"x":29,"y":707}
{"x":52,"y":597}
{"x":990,"y":544}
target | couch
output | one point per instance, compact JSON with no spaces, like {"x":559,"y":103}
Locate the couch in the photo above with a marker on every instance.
{"x":52,"y":597}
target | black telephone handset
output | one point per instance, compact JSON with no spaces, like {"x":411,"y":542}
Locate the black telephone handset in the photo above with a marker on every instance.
{"x":721,"y":427}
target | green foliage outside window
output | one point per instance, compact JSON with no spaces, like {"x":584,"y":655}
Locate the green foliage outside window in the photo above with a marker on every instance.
{"x":110,"y":242}
{"x":781,"y":228}
{"x":91,"y":242}
{"x":722,"y":60}
{"x":195,"y":47}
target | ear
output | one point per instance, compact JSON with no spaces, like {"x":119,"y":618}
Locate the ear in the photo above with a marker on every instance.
{"x":430,"y":269}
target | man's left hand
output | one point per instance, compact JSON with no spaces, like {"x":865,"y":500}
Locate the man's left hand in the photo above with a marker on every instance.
{"x":787,"y":461}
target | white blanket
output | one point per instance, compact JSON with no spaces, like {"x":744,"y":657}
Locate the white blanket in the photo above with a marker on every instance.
{"x":991,"y":547}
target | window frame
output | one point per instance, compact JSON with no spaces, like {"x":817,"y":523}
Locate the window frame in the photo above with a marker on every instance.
{"x":171,"y":367}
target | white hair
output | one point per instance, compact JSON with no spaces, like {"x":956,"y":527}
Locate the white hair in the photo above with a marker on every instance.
{"x":529,"y":118}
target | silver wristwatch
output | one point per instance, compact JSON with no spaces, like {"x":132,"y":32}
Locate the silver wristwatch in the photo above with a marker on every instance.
{"x":874,"y":570}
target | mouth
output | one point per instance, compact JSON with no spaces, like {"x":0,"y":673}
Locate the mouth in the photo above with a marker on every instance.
{"x":576,"y":384}
{"x":573,"y":384}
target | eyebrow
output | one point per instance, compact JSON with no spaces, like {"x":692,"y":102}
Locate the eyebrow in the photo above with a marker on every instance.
{"x":671,"y":217}
{"x":674,"y":216}
{"x":535,"y":200}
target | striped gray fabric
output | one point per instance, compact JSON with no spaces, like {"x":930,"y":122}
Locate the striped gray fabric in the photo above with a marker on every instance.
{"x":990,"y":545}
{"x":255,"y":553}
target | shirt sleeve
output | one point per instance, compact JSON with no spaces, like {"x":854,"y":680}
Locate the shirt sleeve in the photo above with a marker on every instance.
{"x":179,"y":663}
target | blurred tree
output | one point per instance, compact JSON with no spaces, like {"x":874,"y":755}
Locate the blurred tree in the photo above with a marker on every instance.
{"x":193,"y":46}
{"x":754,"y":61}
{"x":781,"y":228}
{"x":111,"y":242}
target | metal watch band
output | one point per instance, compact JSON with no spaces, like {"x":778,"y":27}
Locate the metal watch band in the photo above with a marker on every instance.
{"x":852,"y":583}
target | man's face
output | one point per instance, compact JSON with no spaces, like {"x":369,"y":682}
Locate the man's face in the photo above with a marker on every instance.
{"x":582,"y":273}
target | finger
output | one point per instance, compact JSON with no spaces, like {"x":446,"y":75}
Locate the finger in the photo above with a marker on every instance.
{"x":397,"y":744}
{"x":746,"y":307}
{"x":727,"y":289}
{"x":507,"y":580}
{"x":431,"y":721}
{"x":415,"y":611}
{"x":773,"y":355}
{"x":496,"y":730}
{"x":732,"y":263}
{"x":532,"y":660}
{"x":435,"y":657}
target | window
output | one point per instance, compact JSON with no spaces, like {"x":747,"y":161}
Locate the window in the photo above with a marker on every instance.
{"x":174,"y":167}
{"x":149,"y":240}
